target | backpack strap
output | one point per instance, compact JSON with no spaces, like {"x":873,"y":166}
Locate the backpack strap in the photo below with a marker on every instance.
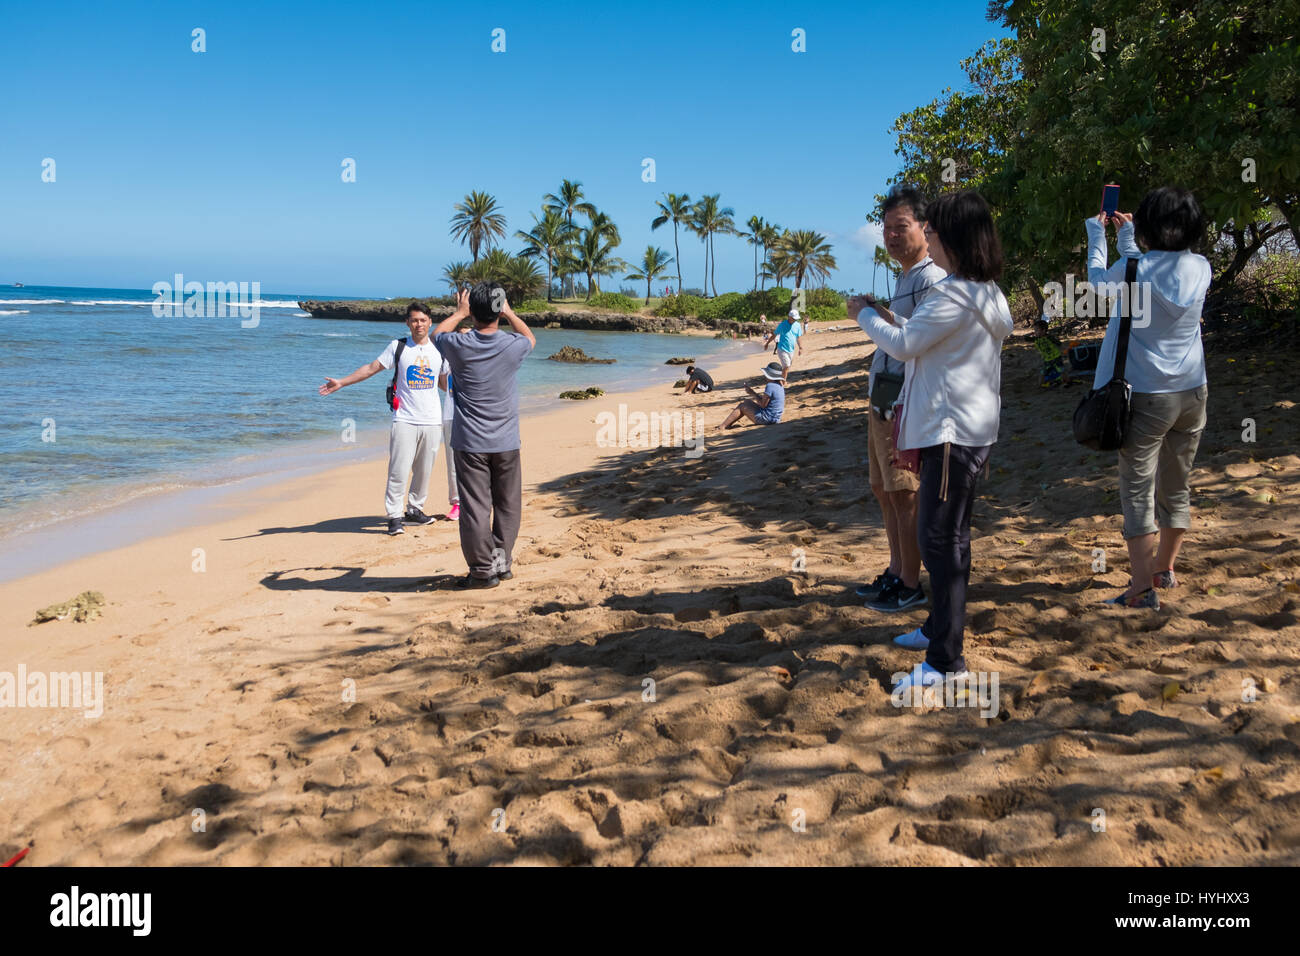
{"x":1126,"y":318}
{"x":397,"y":359}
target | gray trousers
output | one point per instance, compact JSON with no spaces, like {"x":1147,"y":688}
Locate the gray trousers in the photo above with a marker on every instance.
{"x":491,"y":503}
{"x":412,"y":450}
{"x":1156,"y":460}
{"x":453,"y":495}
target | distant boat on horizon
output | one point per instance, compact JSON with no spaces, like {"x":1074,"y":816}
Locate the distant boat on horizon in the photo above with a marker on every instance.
{"x":18,"y":285}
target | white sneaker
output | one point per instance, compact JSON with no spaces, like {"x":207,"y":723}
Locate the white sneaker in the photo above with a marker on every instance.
{"x":922,"y":676}
{"x":913,"y":640}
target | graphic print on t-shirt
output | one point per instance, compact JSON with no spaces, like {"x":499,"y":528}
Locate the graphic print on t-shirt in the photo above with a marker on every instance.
{"x":421,"y":375}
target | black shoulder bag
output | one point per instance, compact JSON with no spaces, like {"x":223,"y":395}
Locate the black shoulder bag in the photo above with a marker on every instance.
{"x":1101,"y":420}
{"x":391,"y":392}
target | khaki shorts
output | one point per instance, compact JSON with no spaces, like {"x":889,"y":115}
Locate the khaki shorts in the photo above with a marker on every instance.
{"x":1155,"y":463}
{"x":880,"y":448}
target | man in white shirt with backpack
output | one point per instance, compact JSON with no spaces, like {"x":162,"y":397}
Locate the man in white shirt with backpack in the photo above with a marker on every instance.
{"x":416,"y":431}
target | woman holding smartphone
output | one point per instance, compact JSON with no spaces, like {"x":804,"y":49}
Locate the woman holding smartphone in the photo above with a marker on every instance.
{"x":952,"y":345}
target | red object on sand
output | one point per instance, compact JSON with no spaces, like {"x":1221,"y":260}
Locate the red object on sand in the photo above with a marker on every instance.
{"x":22,"y":853}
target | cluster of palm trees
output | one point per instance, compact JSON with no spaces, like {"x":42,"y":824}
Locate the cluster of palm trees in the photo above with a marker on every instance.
{"x":574,"y":238}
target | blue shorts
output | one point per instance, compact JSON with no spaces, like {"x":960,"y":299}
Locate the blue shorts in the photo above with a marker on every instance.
{"x":764,"y":417}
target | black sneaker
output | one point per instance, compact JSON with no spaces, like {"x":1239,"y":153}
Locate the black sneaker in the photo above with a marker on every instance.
{"x":876,"y":587}
{"x":469,"y":581}
{"x":898,"y":598}
{"x":395,"y":526}
{"x":505,"y":575}
{"x":416,"y":516}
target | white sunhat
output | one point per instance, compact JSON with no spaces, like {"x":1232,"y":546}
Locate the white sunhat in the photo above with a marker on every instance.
{"x":773,"y":371}
{"x":794,"y":314}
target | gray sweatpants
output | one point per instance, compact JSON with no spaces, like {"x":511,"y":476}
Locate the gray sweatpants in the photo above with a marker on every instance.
{"x":453,"y":495}
{"x":491,"y":502}
{"x":412,"y":450}
{"x":1156,"y":460}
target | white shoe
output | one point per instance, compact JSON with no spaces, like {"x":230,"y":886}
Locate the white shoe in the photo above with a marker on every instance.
{"x":913,"y":640}
{"x":923,"y":676}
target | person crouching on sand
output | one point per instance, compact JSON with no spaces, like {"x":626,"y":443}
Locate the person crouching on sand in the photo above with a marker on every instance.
{"x":764,"y":409}
{"x":485,"y":365}
{"x":416,"y":432}
{"x":952,"y":345}
{"x":697,"y":380}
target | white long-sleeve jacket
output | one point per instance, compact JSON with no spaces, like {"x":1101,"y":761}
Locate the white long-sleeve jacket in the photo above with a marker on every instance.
{"x":952,"y":345}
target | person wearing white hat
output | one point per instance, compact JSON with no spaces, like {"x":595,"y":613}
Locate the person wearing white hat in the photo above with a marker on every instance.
{"x":787,"y":336}
{"x":765,"y":408}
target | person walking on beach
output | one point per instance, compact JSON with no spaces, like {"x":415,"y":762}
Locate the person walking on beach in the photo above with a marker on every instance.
{"x":416,"y":430}
{"x":1165,"y":366}
{"x":764,"y":409}
{"x":951,"y":409}
{"x":898,"y":587}
{"x":484,"y":364}
{"x":787,"y":335}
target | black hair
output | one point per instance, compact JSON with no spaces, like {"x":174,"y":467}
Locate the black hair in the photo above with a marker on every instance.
{"x":965,"y":227}
{"x":690,"y":369}
{"x":1169,"y":218}
{"x":417,"y":306}
{"x":485,"y":303}
{"x":902,"y":195}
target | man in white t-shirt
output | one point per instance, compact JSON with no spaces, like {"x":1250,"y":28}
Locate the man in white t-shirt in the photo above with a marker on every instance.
{"x":416,"y":431}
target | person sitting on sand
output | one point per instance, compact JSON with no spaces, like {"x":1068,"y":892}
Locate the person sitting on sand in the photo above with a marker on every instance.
{"x":787,"y":335}
{"x":1053,"y":373}
{"x":765,"y":409}
{"x":485,"y":363}
{"x":951,"y":410}
{"x":1165,"y":365}
{"x":698,"y":380}
{"x":416,"y":431}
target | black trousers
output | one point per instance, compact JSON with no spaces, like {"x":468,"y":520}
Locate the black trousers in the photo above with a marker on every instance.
{"x":491,"y":493}
{"x":943,"y":533}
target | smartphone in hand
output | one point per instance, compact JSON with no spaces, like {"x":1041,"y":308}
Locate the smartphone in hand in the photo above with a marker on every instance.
{"x":1110,"y":200}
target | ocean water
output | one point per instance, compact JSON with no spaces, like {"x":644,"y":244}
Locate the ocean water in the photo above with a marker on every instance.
{"x":136,"y":404}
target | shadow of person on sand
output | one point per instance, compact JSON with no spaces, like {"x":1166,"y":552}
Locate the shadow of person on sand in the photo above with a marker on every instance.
{"x":354,"y":580}
{"x":361,"y":524}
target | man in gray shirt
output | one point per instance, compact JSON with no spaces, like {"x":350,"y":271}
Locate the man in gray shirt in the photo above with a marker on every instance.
{"x":899,"y":586}
{"x":485,"y":365}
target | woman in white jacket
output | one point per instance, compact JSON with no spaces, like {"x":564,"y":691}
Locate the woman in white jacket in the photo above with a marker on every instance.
{"x":952,"y":345}
{"x":1165,"y":366}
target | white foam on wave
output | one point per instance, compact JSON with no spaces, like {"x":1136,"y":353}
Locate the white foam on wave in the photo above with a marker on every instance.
{"x":15,"y":311}
{"x":31,"y":302}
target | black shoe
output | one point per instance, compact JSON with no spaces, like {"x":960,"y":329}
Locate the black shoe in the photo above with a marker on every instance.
{"x":506,"y":575}
{"x":416,"y":516}
{"x":876,"y":587}
{"x":469,"y":581}
{"x":898,"y":598}
{"x":395,"y":526}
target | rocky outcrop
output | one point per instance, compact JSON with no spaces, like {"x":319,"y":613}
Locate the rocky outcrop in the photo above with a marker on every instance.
{"x":395,"y":311}
{"x":570,"y":354}
{"x":680,"y":361}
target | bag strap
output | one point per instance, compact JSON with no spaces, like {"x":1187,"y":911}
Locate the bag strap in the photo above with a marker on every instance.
{"x":1126,"y":318}
{"x":397,"y":359}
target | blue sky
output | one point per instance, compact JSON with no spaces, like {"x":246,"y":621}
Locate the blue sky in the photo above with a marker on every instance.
{"x":225,"y":165}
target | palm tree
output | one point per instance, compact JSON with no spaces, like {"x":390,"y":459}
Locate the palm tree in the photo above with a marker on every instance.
{"x":492,"y":267}
{"x":593,"y":256}
{"x":477,"y":221}
{"x":881,"y":258}
{"x":604,"y":226}
{"x":567,"y":201}
{"x":456,"y":274}
{"x":548,"y":237}
{"x":807,"y":254}
{"x":708,"y":219}
{"x":676,"y":209}
{"x":771,"y":234}
{"x":754,"y":237}
{"x":521,"y":279}
{"x":654,"y":263}
{"x":777,"y":265}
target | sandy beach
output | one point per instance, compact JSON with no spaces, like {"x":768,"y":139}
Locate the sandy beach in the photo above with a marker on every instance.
{"x":679,"y":673}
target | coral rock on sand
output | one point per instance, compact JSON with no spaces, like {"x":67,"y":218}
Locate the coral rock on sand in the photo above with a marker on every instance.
{"x":570,"y":354}
{"x":84,"y":607}
{"x":585,"y":393}
{"x":680,"y":361}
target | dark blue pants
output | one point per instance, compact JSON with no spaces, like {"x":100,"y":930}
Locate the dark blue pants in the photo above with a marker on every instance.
{"x":943,"y":533}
